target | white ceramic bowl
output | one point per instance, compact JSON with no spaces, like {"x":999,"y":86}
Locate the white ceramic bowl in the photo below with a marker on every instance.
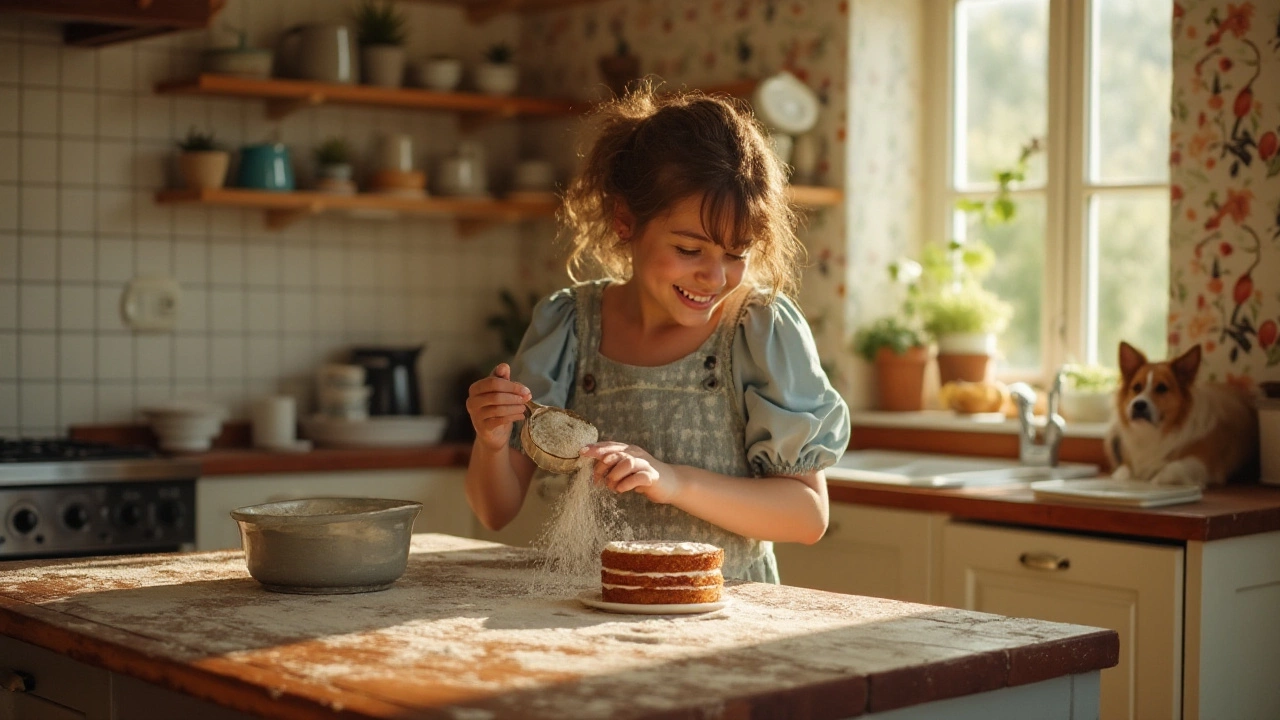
{"x":494,"y":79}
{"x":441,"y":74}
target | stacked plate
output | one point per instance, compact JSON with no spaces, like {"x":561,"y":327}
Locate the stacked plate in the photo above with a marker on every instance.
{"x":1123,"y":493}
{"x":185,"y":426}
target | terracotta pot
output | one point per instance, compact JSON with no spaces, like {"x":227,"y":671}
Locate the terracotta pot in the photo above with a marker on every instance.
{"x":900,"y":379}
{"x":618,"y":70}
{"x":204,"y":169}
{"x":968,"y":367}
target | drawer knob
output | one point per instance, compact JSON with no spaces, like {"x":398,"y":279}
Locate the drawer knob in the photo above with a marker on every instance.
{"x":1044,"y":561}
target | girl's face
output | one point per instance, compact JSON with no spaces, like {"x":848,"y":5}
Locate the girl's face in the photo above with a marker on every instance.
{"x":678,"y":267}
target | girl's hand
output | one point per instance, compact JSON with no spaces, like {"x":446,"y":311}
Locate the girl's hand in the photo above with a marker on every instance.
{"x":623,"y":468}
{"x":494,"y":404}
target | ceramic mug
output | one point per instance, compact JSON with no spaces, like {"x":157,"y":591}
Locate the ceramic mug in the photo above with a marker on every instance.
{"x":265,"y":167}
{"x":324,"y":52}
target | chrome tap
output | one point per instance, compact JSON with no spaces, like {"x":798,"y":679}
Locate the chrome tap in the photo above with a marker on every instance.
{"x":1042,"y":450}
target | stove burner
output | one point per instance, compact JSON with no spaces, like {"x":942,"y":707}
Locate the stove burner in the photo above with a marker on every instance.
{"x":59,"y":450}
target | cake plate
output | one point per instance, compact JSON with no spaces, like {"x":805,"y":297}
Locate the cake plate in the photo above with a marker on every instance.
{"x":591,"y":598}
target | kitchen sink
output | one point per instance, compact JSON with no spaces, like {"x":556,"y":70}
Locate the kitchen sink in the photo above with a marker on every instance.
{"x":946,"y":471}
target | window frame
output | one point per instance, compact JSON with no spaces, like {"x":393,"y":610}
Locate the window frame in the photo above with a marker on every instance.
{"x":1069,"y":305}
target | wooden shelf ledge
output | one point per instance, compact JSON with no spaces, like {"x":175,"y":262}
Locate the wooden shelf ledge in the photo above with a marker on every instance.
{"x":286,"y":96}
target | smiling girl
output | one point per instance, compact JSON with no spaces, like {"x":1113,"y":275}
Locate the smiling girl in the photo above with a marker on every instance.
{"x":687,"y":352}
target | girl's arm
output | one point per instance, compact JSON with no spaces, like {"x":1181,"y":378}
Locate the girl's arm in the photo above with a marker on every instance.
{"x":497,"y":475}
{"x":781,"y":508}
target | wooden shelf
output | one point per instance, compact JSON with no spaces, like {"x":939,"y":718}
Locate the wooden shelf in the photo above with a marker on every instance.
{"x":286,"y":96}
{"x":471,"y":214}
{"x":479,"y":11}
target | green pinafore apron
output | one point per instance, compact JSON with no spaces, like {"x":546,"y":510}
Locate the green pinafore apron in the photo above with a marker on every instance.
{"x":686,"y":413}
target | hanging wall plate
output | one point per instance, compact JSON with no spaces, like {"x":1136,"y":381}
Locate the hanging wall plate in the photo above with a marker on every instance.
{"x":786,"y":104}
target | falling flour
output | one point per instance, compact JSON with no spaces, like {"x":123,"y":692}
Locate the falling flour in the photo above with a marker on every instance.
{"x":585,"y":519}
{"x":560,"y":433}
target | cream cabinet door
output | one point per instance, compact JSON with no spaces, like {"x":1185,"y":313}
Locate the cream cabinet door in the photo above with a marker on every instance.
{"x":872,"y":551}
{"x":539,"y":506}
{"x":1133,"y":588}
{"x":440,"y":490}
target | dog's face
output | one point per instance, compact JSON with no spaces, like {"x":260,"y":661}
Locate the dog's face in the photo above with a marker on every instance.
{"x":1155,"y":393}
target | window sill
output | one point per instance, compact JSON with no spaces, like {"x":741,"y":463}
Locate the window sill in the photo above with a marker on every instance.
{"x":945,"y":420}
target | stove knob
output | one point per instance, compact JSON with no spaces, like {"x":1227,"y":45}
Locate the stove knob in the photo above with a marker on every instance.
{"x":131,"y":514}
{"x":170,"y":512}
{"x":76,"y":517}
{"x":24,"y":521}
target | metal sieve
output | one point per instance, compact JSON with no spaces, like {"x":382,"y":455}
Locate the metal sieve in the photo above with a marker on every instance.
{"x":547,"y":461}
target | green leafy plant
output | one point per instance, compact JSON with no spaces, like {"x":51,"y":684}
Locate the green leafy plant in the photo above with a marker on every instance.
{"x":499,"y":54}
{"x":513,"y":321}
{"x":197,"y":141}
{"x":333,"y":151}
{"x":379,"y":23}
{"x":1090,"y":378}
{"x":888,"y":332}
{"x":970,"y":309}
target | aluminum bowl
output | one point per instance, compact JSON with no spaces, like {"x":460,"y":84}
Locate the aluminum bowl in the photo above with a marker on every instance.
{"x":321,"y":546}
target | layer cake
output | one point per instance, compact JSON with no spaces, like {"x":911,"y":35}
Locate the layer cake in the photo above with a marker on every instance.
{"x":661,"y":573}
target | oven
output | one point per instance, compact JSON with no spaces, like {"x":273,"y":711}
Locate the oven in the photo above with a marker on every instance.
{"x":67,"y":498}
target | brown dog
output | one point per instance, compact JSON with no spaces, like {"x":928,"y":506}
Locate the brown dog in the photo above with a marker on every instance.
{"x":1171,"y":431}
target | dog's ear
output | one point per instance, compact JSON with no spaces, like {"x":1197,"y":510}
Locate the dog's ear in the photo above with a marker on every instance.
{"x":1131,"y":358}
{"x":1187,"y":365}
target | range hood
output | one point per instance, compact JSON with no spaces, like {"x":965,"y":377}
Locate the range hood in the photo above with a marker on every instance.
{"x":94,"y":23}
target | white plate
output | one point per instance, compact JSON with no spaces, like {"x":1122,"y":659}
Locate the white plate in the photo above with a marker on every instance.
{"x":591,"y":598}
{"x":1105,"y":491}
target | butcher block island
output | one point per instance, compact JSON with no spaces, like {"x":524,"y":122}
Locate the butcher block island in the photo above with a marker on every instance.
{"x":465,"y":634}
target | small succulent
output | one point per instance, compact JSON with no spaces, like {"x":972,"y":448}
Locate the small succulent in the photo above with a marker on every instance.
{"x":197,"y":141}
{"x":379,"y":23}
{"x":499,"y":54}
{"x":333,"y":151}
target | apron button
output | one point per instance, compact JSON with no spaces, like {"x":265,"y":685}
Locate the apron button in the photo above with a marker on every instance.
{"x":710,"y":362}
{"x":589,"y":383}
{"x":710,"y":383}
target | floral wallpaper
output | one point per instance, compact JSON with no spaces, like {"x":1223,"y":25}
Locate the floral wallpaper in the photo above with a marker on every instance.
{"x":1224,"y":290}
{"x":706,"y":44}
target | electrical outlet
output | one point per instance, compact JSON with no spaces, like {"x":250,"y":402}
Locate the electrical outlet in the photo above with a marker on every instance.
{"x":150,"y":303}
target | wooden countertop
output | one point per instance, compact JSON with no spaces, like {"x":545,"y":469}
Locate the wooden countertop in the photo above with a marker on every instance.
{"x":247,"y":461}
{"x":1223,"y":512}
{"x":464,"y":634}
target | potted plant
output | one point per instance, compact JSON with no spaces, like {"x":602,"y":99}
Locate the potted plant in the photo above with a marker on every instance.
{"x":380,"y":28}
{"x":440,"y":72}
{"x":965,"y":322}
{"x":1088,"y":392}
{"x":201,"y":163}
{"x":898,"y":350}
{"x":333,"y":167}
{"x":621,"y":67}
{"x":497,"y":75}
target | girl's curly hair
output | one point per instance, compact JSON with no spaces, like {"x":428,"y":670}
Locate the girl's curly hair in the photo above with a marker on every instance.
{"x":652,"y":151}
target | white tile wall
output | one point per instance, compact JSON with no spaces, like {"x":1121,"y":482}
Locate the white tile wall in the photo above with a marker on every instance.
{"x":84,"y":144}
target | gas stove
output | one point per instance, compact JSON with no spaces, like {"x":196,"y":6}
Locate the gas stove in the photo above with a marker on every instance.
{"x":63,"y":498}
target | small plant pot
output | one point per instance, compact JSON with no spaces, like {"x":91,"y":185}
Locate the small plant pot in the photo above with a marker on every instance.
{"x":441,"y":73}
{"x":497,"y":78}
{"x":900,"y":379}
{"x":963,"y":367}
{"x":383,"y":65}
{"x":204,"y":170}
{"x":967,"y":343}
{"x":618,"y":70}
{"x":336,"y":171}
{"x":1087,"y":406}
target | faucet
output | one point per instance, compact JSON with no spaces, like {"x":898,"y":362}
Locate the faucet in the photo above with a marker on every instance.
{"x":1042,"y":451}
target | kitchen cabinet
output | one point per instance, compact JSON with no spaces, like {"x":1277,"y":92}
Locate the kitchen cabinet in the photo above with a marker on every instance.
{"x":1134,"y":588}
{"x":440,"y":490}
{"x":95,"y":23}
{"x":538,"y":509}
{"x":881,"y":552}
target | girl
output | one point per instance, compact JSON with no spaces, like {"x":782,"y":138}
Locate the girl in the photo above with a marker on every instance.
{"x":688,"y":354}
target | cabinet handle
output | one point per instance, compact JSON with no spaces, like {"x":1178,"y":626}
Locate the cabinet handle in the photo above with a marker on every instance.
{"x":17,"y":681}
{"x":1044,"y":561}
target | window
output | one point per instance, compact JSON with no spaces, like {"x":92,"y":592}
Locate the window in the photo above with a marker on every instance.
{"x":1085,"y":261}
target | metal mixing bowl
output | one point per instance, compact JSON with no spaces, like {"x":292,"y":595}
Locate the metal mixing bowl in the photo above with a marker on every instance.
{"x":322,"y":546}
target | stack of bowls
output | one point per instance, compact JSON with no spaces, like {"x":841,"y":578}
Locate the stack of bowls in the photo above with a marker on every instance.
{"x":342,"y":392}
{"x":185,"y":426}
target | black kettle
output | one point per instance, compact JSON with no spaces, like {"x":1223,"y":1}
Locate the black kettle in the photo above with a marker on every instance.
{"x":392,"y":376}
